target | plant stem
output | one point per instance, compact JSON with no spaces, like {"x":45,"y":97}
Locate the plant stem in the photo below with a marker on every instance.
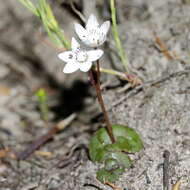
{"x":113,"y":72}
{"x":95,"y":79}
{"x":118,"y":43}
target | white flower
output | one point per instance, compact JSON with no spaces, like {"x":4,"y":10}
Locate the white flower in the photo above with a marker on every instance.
{"x":78,"y":58}
{"x":92,"y":35}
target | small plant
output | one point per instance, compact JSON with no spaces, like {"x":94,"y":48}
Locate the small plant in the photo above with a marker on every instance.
{"x":112,"y":144}
{"x":42,"y":101}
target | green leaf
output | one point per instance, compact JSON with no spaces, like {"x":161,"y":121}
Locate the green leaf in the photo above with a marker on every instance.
{"x":96,"y":148}
{"x":121,"y":144}
{"x":118,"y":171}
{"x":122,"y":159}
{"x":111,"y":164}
{"x":132,"y":142}
{"x":114,"y":155}
{"x":104,"y":175}
{"x":126,"y":140}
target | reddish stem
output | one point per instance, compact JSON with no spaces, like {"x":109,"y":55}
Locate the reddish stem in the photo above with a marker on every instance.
{"x":95,"y":79}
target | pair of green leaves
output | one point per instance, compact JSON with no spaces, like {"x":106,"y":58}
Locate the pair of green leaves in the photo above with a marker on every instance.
{"x":114,"y":155}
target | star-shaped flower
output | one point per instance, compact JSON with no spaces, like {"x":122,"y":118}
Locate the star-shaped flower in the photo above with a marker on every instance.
{"x":92,"y":35}
{"x":78,"y":58}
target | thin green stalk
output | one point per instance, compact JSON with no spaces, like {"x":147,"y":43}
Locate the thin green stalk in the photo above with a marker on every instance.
{"x":51,"y":25}
{"x":45,"y":14}
{"x":118,"y":43}
{"x":42,"y":100}
{"x":30,"y":6}
{"x":62,"y":38}
{"x":112,"y":72}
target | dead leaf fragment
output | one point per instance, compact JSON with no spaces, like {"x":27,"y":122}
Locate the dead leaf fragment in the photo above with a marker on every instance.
{"x":113,"y":186}
{"x":4,"y":90}
{"x":43,"y":153}
{"x":7,"y":153}
{"x":176,"y":186}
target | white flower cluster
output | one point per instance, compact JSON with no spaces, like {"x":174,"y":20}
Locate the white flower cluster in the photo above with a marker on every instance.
{"x":93,"y":36}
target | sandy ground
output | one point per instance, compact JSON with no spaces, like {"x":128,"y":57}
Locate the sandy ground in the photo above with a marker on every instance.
{"x":159,"y":110}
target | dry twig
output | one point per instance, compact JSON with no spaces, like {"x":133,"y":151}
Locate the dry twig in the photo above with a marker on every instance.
{"x":166,"y":170}
{"x":148,"y":84}
{"x":113,"y":186}
{"x":43,"y":139}
{"x":168,"y":54}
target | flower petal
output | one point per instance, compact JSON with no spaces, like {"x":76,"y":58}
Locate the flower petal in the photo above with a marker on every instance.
{"x":66,"y":56}
{"x":94,"y":55}
{"x":105,"y":27}
{"x":71,"y":67}
{"x":81,"y":32}
{"x":92,"y":22}
{"x":85,"y":66}
{"x":74,"y":44}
